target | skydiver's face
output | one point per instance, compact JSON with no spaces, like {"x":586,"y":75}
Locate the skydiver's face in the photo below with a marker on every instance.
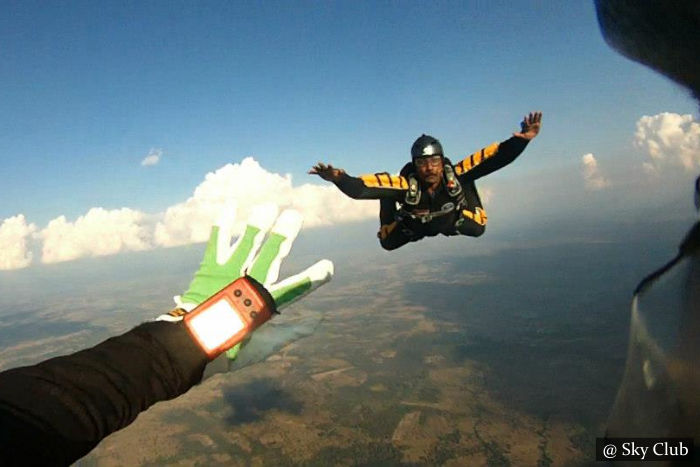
{"x":429,"y":169}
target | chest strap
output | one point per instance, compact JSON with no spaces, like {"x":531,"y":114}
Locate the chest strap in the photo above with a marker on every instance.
{"x":413,"y":196}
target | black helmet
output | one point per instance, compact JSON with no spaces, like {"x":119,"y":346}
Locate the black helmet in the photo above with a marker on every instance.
{"x":426,"y":146}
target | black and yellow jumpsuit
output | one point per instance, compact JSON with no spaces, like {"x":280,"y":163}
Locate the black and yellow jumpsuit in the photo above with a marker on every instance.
{"x":398,"y":227}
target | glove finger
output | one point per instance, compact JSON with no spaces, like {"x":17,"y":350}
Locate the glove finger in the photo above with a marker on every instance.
{"x":232,"y":353}
{"x":225,"y":224}
{"x":219,"y":268}
{"x":212,"y":244}
{"x":299,"y":285}
{"x":220,"y":232}
{"x":266,"y":266}
{"x":194,"y":294}
{"x":242,"y":252}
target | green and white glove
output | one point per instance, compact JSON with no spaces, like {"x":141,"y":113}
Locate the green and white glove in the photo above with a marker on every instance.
{"x":258,"y":253}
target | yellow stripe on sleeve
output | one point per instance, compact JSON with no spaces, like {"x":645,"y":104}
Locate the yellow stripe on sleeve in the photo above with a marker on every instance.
{"x":370,"y":181}
{"x":464,"y":166}
{"x":384,"y":180}
{"x":490,"y":150}
{"x":399,"y":182}
{"x":477,"y":158}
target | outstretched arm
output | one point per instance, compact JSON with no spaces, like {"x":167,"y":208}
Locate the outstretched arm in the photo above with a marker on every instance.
{"x":326,"y":172}
{"x":373,"y":186}
{"x":55,"y":412}
{"x":498,"y":155}
{"x":530,"y":126}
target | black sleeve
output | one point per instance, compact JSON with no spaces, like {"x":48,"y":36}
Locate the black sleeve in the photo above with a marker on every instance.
{"x":374,"y":186}
{"x":491,"y":159}
{"x":55,"y":412}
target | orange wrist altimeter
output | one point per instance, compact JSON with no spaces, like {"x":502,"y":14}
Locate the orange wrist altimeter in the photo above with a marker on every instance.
{"x":225,"y":318}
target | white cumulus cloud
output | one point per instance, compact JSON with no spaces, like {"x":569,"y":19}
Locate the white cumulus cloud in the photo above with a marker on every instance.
{"x":593,"y":179}
{"x":247,"y":184}
{"x":15,"y":234}
{"x":102,"y":231}
{"x":99,"y":232}
{"x":669,"y":139}
{"x":153,"y":157}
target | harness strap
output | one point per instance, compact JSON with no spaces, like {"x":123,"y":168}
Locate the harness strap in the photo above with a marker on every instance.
{"x":423,"y":218}
{"x":413,"y":193}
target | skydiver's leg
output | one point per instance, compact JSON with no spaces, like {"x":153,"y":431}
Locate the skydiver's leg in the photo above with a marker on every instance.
{"x":472,"y":220}
{"x":471,"y":223}
{"x":387,"y":211}
{"x":392,"y":234}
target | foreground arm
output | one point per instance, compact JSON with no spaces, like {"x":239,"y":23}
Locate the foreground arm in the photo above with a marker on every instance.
{"x":55,"y":412}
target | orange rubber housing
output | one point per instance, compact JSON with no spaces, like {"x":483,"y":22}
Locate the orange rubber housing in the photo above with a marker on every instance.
{"x":243,"y":299}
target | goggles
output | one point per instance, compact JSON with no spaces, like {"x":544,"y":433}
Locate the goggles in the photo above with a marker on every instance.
{"x":432,"y":161}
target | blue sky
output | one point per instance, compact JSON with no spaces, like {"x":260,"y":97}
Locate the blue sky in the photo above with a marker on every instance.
{"x":90,"y":88}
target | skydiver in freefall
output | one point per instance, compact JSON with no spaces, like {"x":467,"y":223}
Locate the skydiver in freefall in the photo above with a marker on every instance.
{"x":55,"y":412}
{"x":434,"y":196}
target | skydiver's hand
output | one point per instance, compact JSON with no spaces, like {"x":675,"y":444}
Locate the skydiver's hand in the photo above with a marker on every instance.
{"x":326,"y":172}
{"x":530,"y":126}
{"x":258,"y":253}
